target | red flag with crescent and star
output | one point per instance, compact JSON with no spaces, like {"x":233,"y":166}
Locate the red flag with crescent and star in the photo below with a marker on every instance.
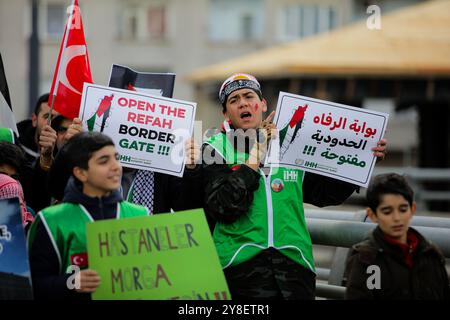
{"x":79,"y":259}
{"x":72,"y":68}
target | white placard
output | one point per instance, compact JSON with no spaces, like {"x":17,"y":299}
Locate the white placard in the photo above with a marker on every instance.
{"x":326,"y":138}
{"x":149,"y":131}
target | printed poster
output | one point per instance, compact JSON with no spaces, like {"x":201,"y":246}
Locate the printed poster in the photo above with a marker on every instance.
{"x":149,"y":131}
{"x":15,"y":276}
{"x":326,"y":138}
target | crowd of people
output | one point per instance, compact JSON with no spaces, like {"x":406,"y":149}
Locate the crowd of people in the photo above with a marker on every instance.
{"x":65,"y":177}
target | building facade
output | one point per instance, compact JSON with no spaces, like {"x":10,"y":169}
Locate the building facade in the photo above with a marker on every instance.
{"x":157,"y":35}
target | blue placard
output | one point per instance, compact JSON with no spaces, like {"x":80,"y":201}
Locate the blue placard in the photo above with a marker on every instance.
{"x":15,"y":277}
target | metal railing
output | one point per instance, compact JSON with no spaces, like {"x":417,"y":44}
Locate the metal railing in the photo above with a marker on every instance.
{"x":417,"y":177}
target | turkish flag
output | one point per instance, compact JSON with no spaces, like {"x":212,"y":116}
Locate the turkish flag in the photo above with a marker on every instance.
{"x":72,"y":68}
{"x":79,"y":259}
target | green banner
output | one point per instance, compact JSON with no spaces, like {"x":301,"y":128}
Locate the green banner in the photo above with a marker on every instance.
{"x":165,"y":256}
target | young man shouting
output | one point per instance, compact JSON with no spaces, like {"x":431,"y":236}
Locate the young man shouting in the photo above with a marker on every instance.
{"x":261,"y":234}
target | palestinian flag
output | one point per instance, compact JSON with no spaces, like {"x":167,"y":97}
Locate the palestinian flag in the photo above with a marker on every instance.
{"x":98,"y":121}
{"x":289,"y":132}
{"x":157,"y":84}
{"x":7,"y":118}
{"x":153,"y":92}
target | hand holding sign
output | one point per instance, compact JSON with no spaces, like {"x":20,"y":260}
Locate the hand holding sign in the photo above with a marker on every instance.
{"x":192,"y":153}
{"x":269,"y":130}
{"x":89,"y":281}
{"x":380,"y":150}
{"x":75,"y":128}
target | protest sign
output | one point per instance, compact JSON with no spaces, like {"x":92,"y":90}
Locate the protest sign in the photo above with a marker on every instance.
{"x":165,"y":256}
{"x":326,"y":138}
{"x":15,"y":277}
{"x":157,"y":84}
{"x":149,"y":131}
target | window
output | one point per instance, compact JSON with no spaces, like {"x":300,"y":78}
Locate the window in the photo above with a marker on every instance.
{"x":129,"y":28}
{"x":301,"y":21}
{"x":247,"y":27}
{"x":53,"y":15}
{"x":143,"y":22}
{"x":156,"y":22}
{"x":53,"y":21}
{"x":236,"y":20}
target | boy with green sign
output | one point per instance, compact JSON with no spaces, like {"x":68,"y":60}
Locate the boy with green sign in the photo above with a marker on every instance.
{"x":57,"y":238}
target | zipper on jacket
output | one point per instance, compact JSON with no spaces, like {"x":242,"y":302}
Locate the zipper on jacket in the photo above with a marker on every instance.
{"x":269,"y":208}
{"x":100,"y":206}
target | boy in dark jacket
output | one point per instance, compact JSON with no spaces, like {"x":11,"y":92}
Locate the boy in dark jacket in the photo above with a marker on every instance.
{"x":57,"y":238}
{"x":396,"y":261}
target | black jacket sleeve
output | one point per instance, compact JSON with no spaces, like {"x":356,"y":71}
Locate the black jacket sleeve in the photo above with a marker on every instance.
{"x":323,"y":191}
{"x":177,"y":193}
{"x":228,"y":193}
{"x":187,"y":192}
{"x":171,"y":192}
{"x":48,"y":282}
{"x":34,"y":184}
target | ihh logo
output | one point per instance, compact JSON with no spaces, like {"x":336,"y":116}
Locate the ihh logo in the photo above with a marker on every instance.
{"x":374,"y":20}
{"x":374,"y":280}
{"x":290,"y":175}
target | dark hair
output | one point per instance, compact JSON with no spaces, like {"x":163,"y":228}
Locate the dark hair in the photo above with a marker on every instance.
{"x":75,"y":153}
{"x":81,"y":147}
{"x":41,"y":100}
{"x":12,"y":155}
{"x":389,"y":183}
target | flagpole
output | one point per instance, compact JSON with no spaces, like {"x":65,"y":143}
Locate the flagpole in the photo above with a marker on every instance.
{"x":49,"y":119}
{"x":55,"y":89}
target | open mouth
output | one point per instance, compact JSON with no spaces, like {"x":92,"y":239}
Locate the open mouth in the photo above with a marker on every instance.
{"x":246,"y":115}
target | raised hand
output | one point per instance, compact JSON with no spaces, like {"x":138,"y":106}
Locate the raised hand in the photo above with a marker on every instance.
{"x":192,"y":151}
{"x":259,"y":150}
{"x":73,"y":129}
{"x":380,"y":151}
{"x":268,"y":128}
{"x":47,"y":141}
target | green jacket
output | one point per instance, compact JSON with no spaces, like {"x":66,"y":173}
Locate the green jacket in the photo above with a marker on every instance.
{"x":275,"y":219}
{"x":66,"y":226}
